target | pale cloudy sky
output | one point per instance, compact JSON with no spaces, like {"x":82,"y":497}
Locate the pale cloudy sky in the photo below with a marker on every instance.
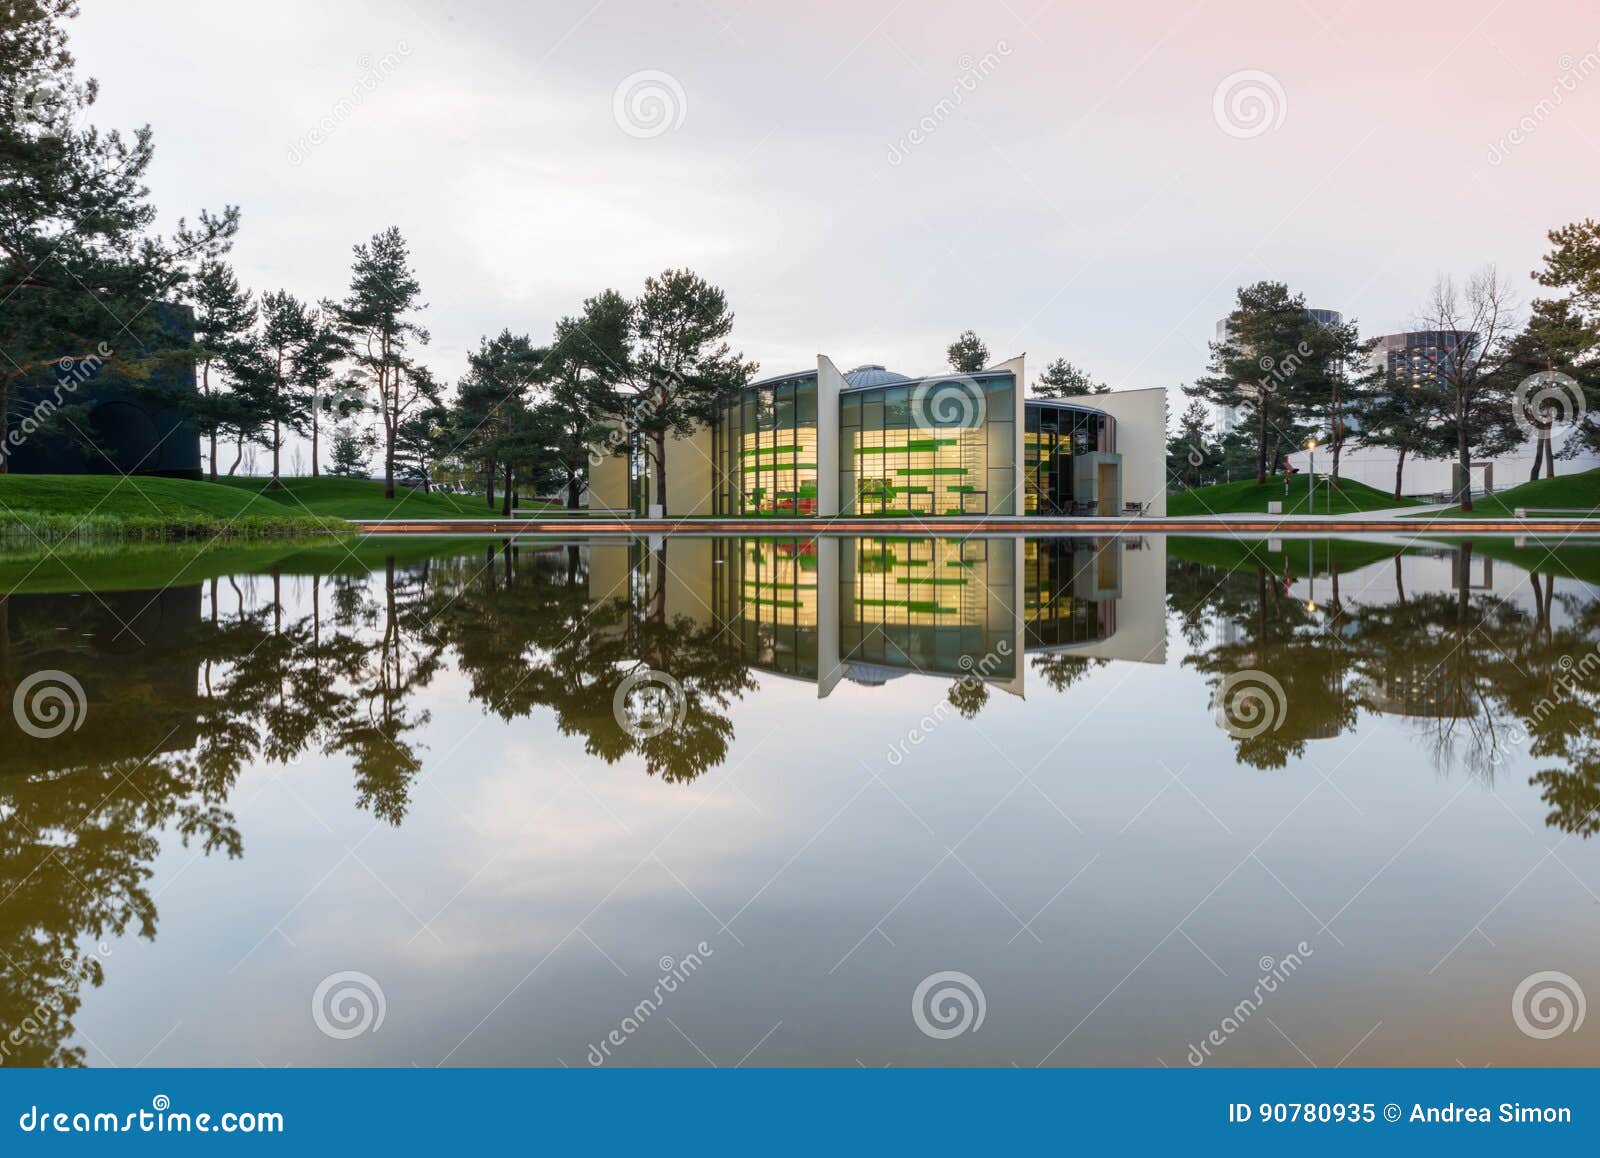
{"x":1081,"y":194}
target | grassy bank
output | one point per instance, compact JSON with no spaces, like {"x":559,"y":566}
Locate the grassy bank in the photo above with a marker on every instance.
{"x":1248,"y":498}
{"x":1579,"y":492}
{"x":1293,"y":556}
{"x":95,"y":508}
{"x":92,"y":508}
{"x":141,"y":566}
{"x":359,"y":498}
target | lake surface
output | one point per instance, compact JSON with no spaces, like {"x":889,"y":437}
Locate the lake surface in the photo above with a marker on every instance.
{"x":803,"y":801}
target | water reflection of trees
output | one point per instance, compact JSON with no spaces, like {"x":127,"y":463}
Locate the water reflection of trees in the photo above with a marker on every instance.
{"x":1475,"y":673}
{"x":180,"y":702}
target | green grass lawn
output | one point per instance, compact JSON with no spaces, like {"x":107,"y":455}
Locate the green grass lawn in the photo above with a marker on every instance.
{"x":89,"y":506}
{"x":1576,"y":491}
{"x":359,"y":498}
{"x":1293,"y":556}
{"x":106,"y":505}
{"x":1248,"y":498}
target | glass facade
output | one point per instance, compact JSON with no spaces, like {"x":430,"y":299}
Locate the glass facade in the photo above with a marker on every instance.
{"x":1060,"y":578}
{"x":765,"y":592}
{"x":929,"y":448}
{"x":926,"y":448}
{"x":764,"y":451}
{"x":1053,"y":436}
{"x":929,"y":605}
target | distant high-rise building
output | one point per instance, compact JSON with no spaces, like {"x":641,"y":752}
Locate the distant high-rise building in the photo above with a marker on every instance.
{"x":1228,"y":416}
{"x":1418,"y":356}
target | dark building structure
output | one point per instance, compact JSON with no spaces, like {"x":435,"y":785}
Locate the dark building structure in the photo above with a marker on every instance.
{"x":127,"y":427}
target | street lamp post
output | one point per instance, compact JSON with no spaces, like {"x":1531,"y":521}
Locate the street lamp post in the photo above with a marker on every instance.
{"x":1311,"y":479}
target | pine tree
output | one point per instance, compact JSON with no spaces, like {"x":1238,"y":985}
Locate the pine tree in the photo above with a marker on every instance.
{"x":352,"y":450}
{"x":967,"y":353}
{"x":224,"y":316}
{"x":75,"y":213}
{"x":286,"y":328}
{"x":376,"y":317}
{"x":682,"y":370}
{"x":1061,"y":379}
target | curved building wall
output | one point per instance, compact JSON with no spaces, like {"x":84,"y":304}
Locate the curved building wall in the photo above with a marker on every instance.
{"x":764,"y":451}
{"x":932,"y":447}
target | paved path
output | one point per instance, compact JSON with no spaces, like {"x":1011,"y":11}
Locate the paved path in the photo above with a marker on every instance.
{"x":1368,"y":522}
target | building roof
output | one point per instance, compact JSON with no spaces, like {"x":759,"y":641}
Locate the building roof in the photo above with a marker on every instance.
{"x":872,"y":374}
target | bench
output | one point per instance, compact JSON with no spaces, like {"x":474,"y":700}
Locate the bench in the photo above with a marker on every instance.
{"x":567,"y":513}
{"x":1559,"y":512}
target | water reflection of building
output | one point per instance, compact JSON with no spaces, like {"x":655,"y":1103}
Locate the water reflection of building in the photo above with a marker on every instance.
{"x":870,"y":610}
{"x":132,"y":653}
{"x":1428,"y":690}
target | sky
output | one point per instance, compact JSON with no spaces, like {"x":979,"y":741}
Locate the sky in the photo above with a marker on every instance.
{"x":866,"y":179}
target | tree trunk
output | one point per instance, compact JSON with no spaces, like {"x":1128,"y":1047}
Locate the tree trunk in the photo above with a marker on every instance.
{"x":1261,"y":443}
{"x":1463,"y":458}
{"x":277,"y":443}
{"x":1337,"y":432}
{"x":388,"y":461}
{"x":1399,"y":470}
{"x":505,"y":498}
{"x":659,"y":496}
{"x":1539,"y":447}
{"x":5,"y":408}
{"x":315,"y":470}
{"x":572,"y":493}
{"x":238,"y":454}
{"x":488,"y":486}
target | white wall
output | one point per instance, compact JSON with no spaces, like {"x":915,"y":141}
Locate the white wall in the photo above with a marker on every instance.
{"x":1374,"y":465}
{"x":1141,"y":441}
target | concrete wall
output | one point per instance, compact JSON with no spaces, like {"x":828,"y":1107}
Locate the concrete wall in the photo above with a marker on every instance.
{"x":1141,"y":441}
{"x":689,"y":474}
{"x":1141,"y":635}
{"x":1017,"y":367}
{"x":608,"y":482}
{"x":1374,"y":465}
{"x":830,"y":384}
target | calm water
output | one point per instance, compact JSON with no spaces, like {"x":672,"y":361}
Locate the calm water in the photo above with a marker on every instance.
{"x":911,"y":802}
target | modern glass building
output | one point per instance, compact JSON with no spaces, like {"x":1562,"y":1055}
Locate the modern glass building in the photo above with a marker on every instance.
{"x":871,"y":443}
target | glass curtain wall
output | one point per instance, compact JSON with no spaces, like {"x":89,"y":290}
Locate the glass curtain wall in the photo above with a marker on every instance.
{"x":1054,"y":570}
{"x":764,"y":448}
{"x":923,"y":604}
{"x":1052,"y":436}
{"x":765,"y":592}
{"x":954,"y":460}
